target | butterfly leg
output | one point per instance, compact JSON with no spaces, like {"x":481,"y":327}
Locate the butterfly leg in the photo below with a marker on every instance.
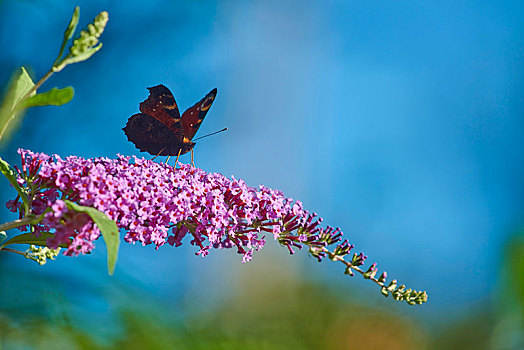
{"x":192,"y":159}
{"x":178,"y":155}
{"x":167,"y":160}
{"x":162,"y":150}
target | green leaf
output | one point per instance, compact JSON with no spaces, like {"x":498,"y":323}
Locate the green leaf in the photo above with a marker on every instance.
{"x":3,"y":237}
{"x":11,"y":175}
{"x":107,"y":227}
{"x":10,"y":115}
{"x":20,"y":85}
{"x":69,"y":32}
{"x":30,"y":238}
{"x":55,"y":97}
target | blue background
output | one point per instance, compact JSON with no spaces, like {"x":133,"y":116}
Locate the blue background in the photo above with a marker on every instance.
{"x":400,"y":122}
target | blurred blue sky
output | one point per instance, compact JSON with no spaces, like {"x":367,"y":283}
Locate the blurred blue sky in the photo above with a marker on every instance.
{"x":401,"y":122}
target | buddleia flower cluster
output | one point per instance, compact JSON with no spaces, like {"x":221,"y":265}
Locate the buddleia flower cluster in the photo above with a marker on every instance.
{"x":156,"y":204}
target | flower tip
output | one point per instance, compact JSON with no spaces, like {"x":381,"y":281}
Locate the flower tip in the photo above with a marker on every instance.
{"x":102,"y":18}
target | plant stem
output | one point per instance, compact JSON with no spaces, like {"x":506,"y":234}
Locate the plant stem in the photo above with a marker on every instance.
{"x":37,"y":85}
{"x":351,"y":266}
{"x":13,"y":251}
{"x":17,"y":223}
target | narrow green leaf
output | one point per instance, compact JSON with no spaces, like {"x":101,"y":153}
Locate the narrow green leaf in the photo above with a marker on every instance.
{"x":29,"y":238}
{"x":3,"y":237}
{"x":10,"y":115}
{"x":55,"y":97}
{"x":107,"y":227}
{"x":69,"y":32}
{"x":11,"y":175}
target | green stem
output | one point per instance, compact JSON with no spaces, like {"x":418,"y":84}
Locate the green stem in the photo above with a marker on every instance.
{"x":17,"y":223}
{"x":37,"y":85}
{"x":13,"y":251}
{"x":58,"y":66}
{"x":62,"y":47}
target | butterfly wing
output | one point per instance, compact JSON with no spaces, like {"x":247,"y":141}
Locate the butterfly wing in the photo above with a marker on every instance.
{"x":161,"y":105}
{"x":193,"y":116}
{"x":150,"y":135}
{"x":158,"y":129}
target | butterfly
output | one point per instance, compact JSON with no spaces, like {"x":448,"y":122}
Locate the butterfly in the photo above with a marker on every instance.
{"x":160,"y":130}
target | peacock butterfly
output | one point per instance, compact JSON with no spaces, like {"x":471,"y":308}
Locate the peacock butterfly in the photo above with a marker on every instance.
{"x":159,"y":129}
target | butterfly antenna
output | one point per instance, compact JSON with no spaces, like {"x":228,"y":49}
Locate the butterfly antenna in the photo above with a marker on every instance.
{"x":216,"y":132}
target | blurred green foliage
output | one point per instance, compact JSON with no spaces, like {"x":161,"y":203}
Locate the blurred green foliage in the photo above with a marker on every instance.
{"x":21,"y":93}
{"x":10,"y":114}
{"x":268,"y":312}
{"x":269,"y":317}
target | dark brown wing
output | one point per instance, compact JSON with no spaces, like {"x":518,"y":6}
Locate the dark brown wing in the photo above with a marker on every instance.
{"x":161,"y":105}
{"x":193,"y":116}
{"x":150,"y":135}
{"x":158,"y":129}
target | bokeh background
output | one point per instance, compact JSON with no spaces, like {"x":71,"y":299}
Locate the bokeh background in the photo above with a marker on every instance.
{"x":400,"y":122}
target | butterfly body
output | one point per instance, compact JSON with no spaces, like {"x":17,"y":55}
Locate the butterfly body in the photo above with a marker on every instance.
{"x":159,"y":129}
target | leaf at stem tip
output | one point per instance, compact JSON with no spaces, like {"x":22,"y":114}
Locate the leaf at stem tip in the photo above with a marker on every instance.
{"x":108,"y":229}
{"x":70,"y":30}
{"x":55,"y":97}
{"x":11,"y":176}
{"x":10,"y":115}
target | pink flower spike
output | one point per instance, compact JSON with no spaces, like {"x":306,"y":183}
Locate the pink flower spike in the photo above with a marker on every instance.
{"x":155,"y":203}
